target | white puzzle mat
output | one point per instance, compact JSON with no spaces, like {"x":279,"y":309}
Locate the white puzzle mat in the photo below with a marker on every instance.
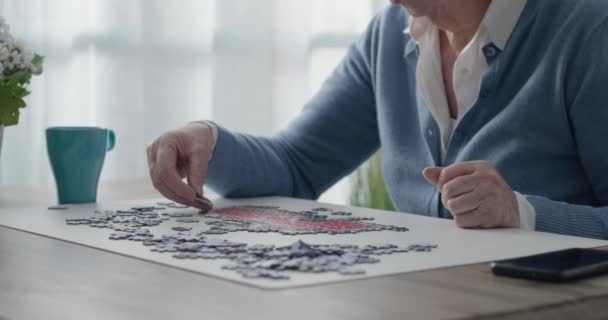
{"x":278,"y":243}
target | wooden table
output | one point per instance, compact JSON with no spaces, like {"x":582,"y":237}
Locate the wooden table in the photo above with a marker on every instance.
{"x":43,"y":278}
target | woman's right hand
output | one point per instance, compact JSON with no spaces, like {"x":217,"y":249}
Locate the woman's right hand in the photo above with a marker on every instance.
{"x":178,"y":154}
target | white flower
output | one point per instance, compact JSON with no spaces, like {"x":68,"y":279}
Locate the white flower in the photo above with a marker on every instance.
{"x":15,"y":58}
{"x":5,"y":28}
{"x":19,"y":44}
{"x":28,"y":57}
{"x":4,"y":53}
{"x":5,"y":38}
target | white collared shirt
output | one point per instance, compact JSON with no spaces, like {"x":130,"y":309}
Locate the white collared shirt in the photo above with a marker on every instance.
{"x":495,"y":28}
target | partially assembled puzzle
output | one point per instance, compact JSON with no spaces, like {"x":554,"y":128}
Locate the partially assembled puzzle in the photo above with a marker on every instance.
{"x":253,"y":261}
{"x":280,"y":242}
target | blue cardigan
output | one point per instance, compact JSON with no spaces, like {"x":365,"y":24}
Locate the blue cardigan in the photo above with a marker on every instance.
{"x":541,"y":119}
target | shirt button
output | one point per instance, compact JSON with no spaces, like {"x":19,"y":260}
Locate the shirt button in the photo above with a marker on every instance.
{"x":490,"y":51}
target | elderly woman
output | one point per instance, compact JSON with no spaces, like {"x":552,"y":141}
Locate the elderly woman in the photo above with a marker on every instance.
{"x":492,"y":113}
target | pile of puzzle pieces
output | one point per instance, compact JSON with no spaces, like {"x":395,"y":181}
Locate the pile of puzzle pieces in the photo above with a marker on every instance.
{"x":253,"y":261}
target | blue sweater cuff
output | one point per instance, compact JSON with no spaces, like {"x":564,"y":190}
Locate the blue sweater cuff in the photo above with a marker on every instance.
{"x":570,"y":219}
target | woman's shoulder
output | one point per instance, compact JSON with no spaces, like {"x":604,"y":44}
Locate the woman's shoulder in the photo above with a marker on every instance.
{"x":586,"y":14}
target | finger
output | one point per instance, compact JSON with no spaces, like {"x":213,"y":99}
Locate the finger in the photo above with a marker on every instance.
{"x":182,"y":170}
{"x":168,"y":176}
{"x":151,"y":152}
{"x":459,"y":186}
{"x":170,"y":194}
{"x":157,"y":180}
{"x":196,"y":178}
{"x":466,"y":202}
{"x":197,"y":172}
{"x":203,"y":204}
{"x":454,"y":171}
{"x":470,"y":220}
{"x":431,"y":174}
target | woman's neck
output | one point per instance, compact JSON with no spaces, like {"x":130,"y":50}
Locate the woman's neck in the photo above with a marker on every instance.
{"x":459,"y":20}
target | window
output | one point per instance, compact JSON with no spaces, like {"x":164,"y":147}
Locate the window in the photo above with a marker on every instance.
{"x":142,"y":67}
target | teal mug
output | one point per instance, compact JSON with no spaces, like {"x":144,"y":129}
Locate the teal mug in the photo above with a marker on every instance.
{"x":77,"y":155}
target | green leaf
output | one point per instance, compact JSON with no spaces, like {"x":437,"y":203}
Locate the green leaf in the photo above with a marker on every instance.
{"x":38,"y":59}
{"x":37,"y":62}
{"x":21,"y":77}
{"x":20,"y":92}
{"x":10,"y":104}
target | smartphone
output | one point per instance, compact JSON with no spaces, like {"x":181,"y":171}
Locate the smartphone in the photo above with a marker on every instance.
{"x":557,"y":266}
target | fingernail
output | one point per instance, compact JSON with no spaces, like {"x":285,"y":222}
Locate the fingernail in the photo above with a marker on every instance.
{"x":206,"y":204}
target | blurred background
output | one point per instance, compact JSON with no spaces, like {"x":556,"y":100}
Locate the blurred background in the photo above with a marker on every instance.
{"x":141,"y":67}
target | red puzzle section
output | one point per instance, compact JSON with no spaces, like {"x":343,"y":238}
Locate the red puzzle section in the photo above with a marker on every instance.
{"x":308,"y":221}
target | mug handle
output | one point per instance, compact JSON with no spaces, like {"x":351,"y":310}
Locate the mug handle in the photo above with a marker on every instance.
{"x":111,"y":140}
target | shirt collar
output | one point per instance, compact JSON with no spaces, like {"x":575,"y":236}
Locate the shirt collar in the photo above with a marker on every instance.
{"x":417,"y":27}
{"x":501,"y":18}
{"x":499,"y":21}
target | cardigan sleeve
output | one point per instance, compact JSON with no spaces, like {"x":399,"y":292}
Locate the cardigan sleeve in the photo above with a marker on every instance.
{"x":336,"y":131}
{"x":587,"y":100}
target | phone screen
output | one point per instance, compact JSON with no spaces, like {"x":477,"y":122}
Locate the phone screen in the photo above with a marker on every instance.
{"x":563,"y":260}
{"x":555,"y":266}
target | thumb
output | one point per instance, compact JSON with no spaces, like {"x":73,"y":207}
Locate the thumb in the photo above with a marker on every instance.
{"x":432,"y":174}
{"x":197,"y":172}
